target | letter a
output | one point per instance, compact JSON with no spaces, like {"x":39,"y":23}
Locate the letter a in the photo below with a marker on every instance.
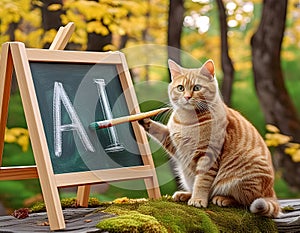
{"x":60,"y":96}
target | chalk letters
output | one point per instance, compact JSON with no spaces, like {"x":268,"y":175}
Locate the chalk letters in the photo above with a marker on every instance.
{"x":60,"y":96}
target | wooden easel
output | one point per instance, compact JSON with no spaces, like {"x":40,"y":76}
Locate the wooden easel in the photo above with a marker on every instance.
{"x":16,"y":56}
{"x":30,"y":172}
{"x":59,"y":43}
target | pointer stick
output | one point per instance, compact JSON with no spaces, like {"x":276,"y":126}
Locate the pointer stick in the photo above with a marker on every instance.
{"x":120,"y":120}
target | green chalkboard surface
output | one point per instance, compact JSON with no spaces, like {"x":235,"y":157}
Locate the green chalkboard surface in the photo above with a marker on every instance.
{"x":70,"y":97}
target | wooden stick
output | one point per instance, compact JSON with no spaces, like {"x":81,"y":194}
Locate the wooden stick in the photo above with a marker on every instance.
{"x":124,"y":119}
{"x":62,"y":37}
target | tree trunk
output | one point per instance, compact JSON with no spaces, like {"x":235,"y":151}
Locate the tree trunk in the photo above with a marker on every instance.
{"x":175,"y":21}
{"x":51,"y":19}
{"x":97,"y":42}
{"x":11,"y":32}
{"x":227,"y":67}
{"x":269,"y":81}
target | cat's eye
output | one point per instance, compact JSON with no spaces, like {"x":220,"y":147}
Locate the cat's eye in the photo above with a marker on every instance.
{"x":197,"y":87}
{"x":180,"y":88}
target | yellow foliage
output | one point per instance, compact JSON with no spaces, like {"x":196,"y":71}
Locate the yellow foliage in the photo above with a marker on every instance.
{"x":54,"y":7}
{"x":288,"y":55}
{"x":140,"y":21}
{"x":294,"y":153}
{"x":9,"y":138}
{"x":272,"y":128}
{"x":126,"y":200}
{"x":109,"y":47}
{"x":23,"y":141}
{"x":49,"y":36}
{"x":121,"y":200}
{"x":275,"y":139}
{"x":242,"y":65}
{"x":97,"y":27}
{"x":19,"y":136}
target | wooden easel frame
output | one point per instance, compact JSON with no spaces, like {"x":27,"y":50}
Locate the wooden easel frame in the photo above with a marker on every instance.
{"x":62,"y":37}
{"x":16,"y":56}
{"x":6,"y":67}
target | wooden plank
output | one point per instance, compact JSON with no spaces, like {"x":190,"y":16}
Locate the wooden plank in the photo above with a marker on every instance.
{"x":6,"y":69}
{"x":99,"y":176}
{"x":37,"y":136}
{"x":18,"y":173}
{"x":83,"y":194}
{"x":289,"y":221}
{"x":62,"y":37}
{"x":43,"y":55}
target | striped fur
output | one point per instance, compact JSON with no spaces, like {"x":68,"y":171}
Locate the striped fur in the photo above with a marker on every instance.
{"x":220,"y":156}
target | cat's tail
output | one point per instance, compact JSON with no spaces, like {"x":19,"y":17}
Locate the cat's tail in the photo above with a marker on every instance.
{"x":268,"y":207}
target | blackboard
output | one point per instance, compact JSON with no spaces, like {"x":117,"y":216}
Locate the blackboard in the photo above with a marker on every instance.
{"x":62,"y":93}
{"x":80,"y":82}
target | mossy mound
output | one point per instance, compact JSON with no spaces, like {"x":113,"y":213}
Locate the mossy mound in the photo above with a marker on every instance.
{"x":132,"y":222}
{"x":165,"y":215}
{"x":179,"y":217}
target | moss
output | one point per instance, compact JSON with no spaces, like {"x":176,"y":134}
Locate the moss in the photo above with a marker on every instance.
{"x":288,"y":208}
{"x":67,"y":203}
{"x":38,"y":207}
{"x":165,"y":215}
{"x":179,"y":217}
{"x":131,"y":222}
{"x":239,"y":220}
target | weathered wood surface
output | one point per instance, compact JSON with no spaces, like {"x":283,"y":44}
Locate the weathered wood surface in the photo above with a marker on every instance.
{"x":80,"y":220}
{"x":83,"y":220}
{"x":289,"y":221}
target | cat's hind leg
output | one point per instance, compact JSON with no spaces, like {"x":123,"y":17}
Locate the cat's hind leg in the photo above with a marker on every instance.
{"x":224,"y":201}
{"x":181,"y":196}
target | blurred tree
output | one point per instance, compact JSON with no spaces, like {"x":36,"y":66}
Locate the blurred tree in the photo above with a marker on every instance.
{"x":226,"y":63}
{"x":269,"y":81}
{"x":98,"y":41}
{"x":175,"y":20}
{"x":110,"y":25}
{"x":51,"y":21}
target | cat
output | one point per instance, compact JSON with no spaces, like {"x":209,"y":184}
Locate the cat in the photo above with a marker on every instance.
{"x":219,"y":155}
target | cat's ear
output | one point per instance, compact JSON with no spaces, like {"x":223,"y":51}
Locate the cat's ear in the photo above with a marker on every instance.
{"x":208,"y":69}
{"x":175,"y":69}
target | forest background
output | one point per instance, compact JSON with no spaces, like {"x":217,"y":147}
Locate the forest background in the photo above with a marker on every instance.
{"x":254,"y":44}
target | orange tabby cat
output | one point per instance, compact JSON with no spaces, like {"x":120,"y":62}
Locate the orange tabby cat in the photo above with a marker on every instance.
{"x":220,"y":156}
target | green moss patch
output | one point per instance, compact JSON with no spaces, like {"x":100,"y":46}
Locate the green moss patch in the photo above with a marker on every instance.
{"x":179,"y":217}
{"x":67,"y":203}
{"x":132,"y":222}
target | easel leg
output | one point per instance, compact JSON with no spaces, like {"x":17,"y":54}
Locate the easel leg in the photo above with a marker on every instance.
{"x":6,"y":70}
{"x":83,"y":194}
{"x":152,"y":188}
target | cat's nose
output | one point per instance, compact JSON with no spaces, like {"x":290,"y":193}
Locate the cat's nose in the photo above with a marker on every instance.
{"x":187,"y":97}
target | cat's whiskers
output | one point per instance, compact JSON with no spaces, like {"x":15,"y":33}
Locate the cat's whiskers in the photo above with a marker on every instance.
{"x":202,"y":106}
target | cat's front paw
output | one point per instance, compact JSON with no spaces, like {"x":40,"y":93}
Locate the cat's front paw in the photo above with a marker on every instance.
{"x":198,"y":202}
{"x":146,"y":123}
{"x":181,"y":196}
